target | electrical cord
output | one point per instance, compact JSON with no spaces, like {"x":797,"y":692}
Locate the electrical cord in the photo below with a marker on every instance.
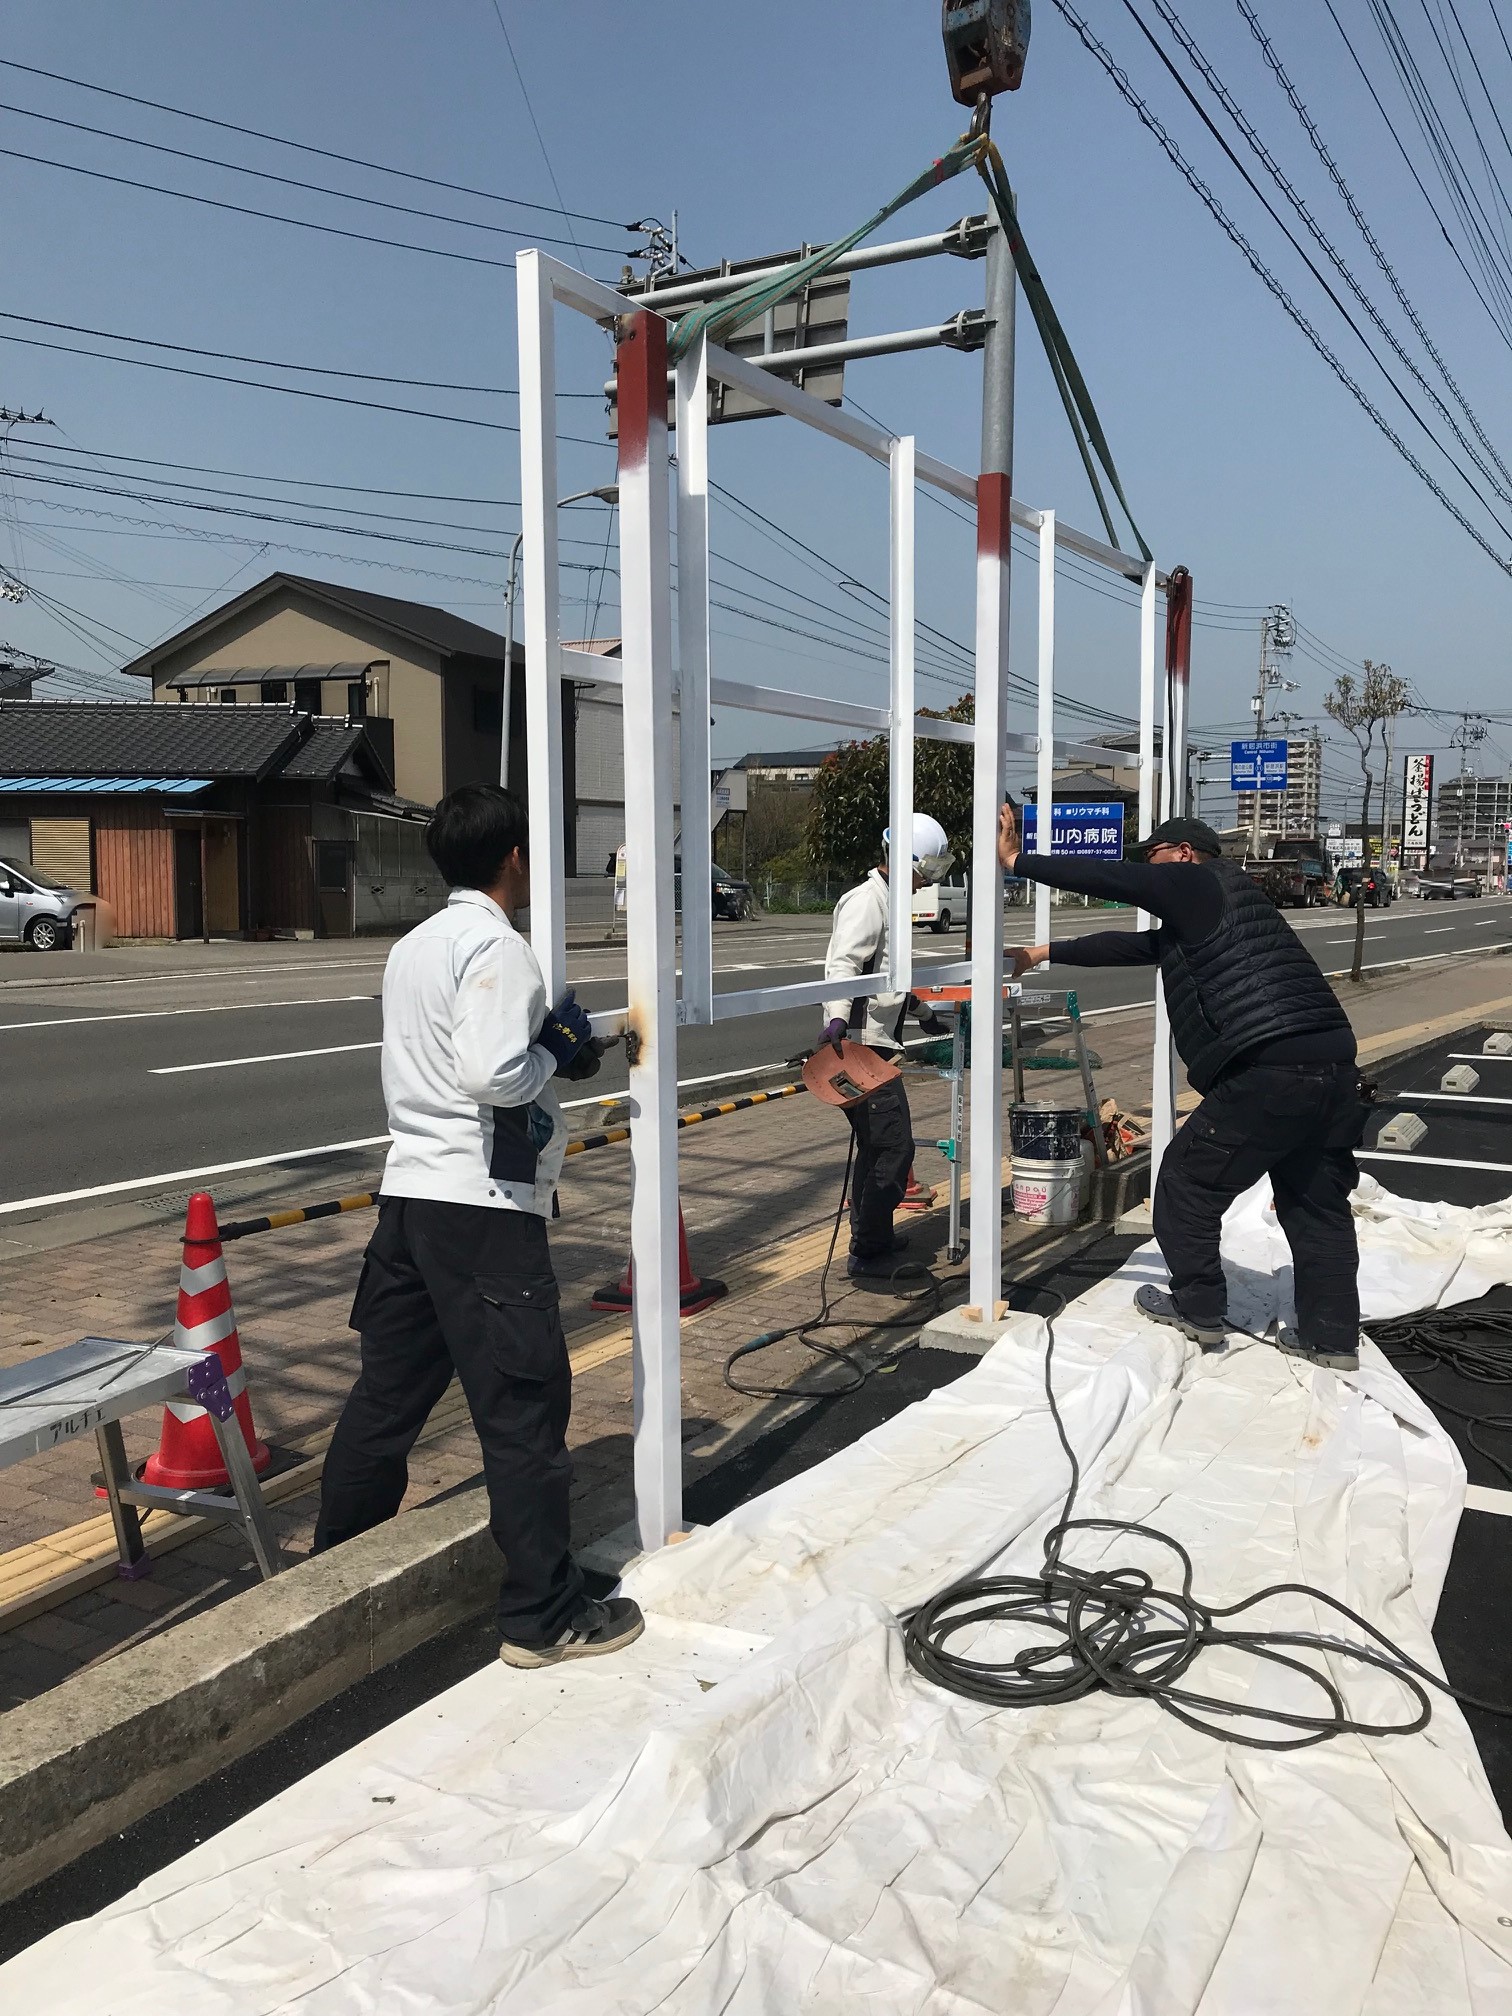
{"x":1446,"y":1339}
{"x":1117,"y":1629}
{"x":918,"y":1310}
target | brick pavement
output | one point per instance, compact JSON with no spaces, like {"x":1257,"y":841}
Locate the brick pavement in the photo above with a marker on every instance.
{"x":757,"y":1179}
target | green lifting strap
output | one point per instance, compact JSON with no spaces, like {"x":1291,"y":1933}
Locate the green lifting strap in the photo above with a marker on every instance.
{"x":720,"y":319}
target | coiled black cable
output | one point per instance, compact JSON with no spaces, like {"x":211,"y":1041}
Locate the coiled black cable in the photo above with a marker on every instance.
{"x":1476,"y":1344}
{"x":1117,"y":1630}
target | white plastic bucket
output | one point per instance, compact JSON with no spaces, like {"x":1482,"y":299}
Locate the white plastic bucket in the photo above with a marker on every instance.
{"x":1047,"y":1193}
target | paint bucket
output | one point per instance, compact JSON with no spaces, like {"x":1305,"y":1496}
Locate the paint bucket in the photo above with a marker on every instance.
{"x":1047,"y":1193}
{"x":1046,"y":1130}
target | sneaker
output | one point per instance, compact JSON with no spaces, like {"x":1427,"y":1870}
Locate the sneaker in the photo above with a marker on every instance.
{"x":1336,"y":1361}
{"x":595,"y":1627}
{"x":884,"y":1268}
{"x":1160,"y":1308}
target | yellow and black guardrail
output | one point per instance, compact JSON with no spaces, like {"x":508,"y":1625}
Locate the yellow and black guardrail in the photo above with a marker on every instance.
{"x":277,"y":1221}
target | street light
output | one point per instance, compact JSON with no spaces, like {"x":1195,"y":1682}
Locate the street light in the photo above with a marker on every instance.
{"x":606,"y":493}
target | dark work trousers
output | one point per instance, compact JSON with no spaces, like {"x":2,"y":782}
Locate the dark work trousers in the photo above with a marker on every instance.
{"x":458,"y":1288}
{"x":883,"y":1127}
{"x":1299,"y":1124}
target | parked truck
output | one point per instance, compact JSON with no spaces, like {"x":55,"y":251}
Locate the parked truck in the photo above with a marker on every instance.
{"x":1296,"y":874}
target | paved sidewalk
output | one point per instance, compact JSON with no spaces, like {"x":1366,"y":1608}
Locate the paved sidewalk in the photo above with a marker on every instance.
{"x":759,"y":1191}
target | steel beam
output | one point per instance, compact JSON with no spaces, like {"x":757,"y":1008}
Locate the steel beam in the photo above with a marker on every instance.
{"x":693,"y":683}
{"x":965,"y":240}
{"x":900,"y":751}
{"x":650,"y":951}
{"x":1045,"y":780}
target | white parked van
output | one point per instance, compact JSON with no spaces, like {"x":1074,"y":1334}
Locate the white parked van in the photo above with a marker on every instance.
{"x":940,"y":905}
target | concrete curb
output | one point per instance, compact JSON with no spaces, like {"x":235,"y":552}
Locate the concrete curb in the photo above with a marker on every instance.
{"x":106,"y":1747}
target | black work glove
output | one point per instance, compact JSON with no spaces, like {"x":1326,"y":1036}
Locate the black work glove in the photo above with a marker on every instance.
{"x":933,"y":1025}
{"x":566,"y":1031}
{"x":586,"y":1064}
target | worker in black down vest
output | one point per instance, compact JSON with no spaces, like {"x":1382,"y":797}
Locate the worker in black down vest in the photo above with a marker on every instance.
{"x":1266,"y":1043}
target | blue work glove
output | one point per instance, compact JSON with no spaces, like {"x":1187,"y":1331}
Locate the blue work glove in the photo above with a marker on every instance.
{"x":835,"y":1033}
{"x":565,"y":1031}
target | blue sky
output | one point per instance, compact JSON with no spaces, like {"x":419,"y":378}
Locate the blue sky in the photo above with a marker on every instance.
{"x":1242,"y":455}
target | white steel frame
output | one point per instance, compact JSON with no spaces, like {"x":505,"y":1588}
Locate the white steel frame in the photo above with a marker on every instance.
{"x":655,"y":1006}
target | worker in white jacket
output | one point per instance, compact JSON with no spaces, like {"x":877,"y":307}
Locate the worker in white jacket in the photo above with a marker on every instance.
{"x":457,"y":1277}
{"x":882,"y":1125}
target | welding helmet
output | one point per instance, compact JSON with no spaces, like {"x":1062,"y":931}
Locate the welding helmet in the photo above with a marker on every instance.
{"x":930,"y":851}
{"x":850,"y":1078}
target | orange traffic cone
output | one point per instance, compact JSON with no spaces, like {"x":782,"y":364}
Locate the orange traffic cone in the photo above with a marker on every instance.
{"x":188,"y":1457}
{"x":915,"y":1196}
{"x":693,"y":1294}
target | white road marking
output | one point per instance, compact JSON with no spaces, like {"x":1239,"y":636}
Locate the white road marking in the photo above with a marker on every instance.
{"x":272,"y":1057}
{"x":192,"y":1175}
{"x":1481,"y":923}
{"x":1438,"y":930}
{"x":1482,"y":1498}
{"x":162,"y":1014}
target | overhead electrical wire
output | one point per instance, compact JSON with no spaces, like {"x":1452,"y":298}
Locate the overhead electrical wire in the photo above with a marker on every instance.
{"x":295,"y":182}
{"x":536,"y":126}
{"x":1231,"y":230}
{"x":1336,"y":176}
{"x":279,"y":363}
{"x":288,"y":391}
{"x":274,"y":216}
{"x":1496,"y":472}
{"x":1500,"y":318}
{"x":302,"y":146}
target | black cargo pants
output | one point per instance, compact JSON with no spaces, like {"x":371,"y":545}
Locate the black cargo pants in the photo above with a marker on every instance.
{"x":1299,"y":1124}
{"x":458,"y":1288}
{"x":883,"y":1127}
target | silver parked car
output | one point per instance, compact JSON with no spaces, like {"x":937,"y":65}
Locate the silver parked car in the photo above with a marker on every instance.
{"x":34,"y":909}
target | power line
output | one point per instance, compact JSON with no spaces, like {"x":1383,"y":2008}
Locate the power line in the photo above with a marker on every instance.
{"x":278,"y":363}
{"x":1336,"y":175}
{"x":295,"y":182}
{"x":1493,"y":475}
{"x":540,"y":137}
{"x":1257,"y":265}
{"x":262,"y":476}
{"x":271,"y":216}
{"x":288,"y":391}
{"x":304,"y":146}
{"x":1495,"y":317}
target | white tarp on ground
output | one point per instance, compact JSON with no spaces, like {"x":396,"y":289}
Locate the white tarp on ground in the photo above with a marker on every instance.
{"x":760,"y":1808}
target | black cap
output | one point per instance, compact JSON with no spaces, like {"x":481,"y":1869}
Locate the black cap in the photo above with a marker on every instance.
{"x":1197,"y":834}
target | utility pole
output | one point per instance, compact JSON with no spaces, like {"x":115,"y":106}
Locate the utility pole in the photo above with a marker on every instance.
{"x":1278,"y":633}
{"x":1470,"y":733}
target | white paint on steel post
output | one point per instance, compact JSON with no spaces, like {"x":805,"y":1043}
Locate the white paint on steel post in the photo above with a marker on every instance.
{"x":1045,"y":769}
{"x":693,"y":684}
{"x":543,"y":636}
{"x":989,"y":777}
{"x":646,"y":624}
{"x":1146,"y":714}
{"x":900,"y":800}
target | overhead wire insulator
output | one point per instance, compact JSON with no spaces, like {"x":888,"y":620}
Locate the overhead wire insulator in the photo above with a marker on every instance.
{"x":986,"y":42}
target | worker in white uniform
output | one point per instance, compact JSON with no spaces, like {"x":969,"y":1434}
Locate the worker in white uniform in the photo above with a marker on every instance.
{"x":882,"y":1124}
{"x":457,"y":1279}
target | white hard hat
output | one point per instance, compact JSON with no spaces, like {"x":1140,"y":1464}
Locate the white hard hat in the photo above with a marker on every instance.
{"x":931,"y":849}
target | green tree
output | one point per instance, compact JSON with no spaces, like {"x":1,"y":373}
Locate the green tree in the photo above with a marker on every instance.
{"x":1361,"y":706}
{"x":849,"y":810}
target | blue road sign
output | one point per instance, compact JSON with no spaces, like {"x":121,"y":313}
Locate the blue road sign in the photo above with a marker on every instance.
{"x":1096,"y":830}
{"x":1258,"y":764}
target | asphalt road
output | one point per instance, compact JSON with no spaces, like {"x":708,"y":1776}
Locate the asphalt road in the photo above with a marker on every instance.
{"x":114,"y":1086}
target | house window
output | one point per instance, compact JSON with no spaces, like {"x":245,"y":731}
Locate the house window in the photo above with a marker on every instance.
{"x":228,"y":696}
{"x":487,"y":711}
{"x":307,"y":695}
{"x":275,"y":692}
{"x":357,"y":700}
{"x":331,"y":866}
